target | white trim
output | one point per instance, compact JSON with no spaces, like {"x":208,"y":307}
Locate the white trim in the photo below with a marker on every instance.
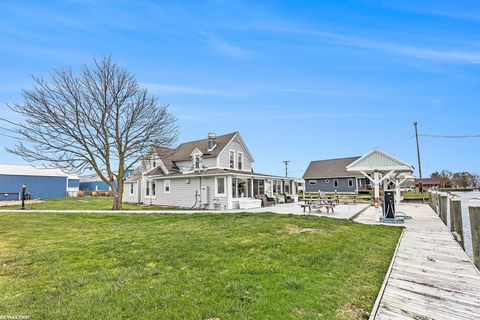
{"x":230,"y":151}
{"x":243,"y":163}
{"x":401,"y":166}
{"x":224,"y":186}
{"x":243,"y":143}
{"x":165,"y":186}
{"x":348,"y":183}
{"x":153,"y":189}
{"x":195,"y":152}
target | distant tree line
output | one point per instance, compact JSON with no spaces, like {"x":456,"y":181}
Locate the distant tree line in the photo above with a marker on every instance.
{"x":458,"y":179}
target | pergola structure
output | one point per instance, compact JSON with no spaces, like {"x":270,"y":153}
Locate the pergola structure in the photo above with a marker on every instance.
{"x":380,"y":167}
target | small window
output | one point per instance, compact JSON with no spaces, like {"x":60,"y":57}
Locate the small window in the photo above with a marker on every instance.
{"x":312,"y":182}
{"x":327,"y":181}
{"x":154,"y":164}
{"x":153,"y":189}
{"x":166,"y":186}
{"x":240,"y":161}
{"x":131,"y":189}
{"x":147,"y":189}
{"x":350,"y":183}
{"x":232,"y":159}
{"x":220,"y":186}
{"x":197,"y":162}
{"x":335,"y":183}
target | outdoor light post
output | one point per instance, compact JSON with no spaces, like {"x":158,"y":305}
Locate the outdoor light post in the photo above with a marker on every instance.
{"x":24,"y":189}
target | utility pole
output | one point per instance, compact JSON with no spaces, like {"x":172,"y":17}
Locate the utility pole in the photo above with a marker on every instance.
{"x":419,"y":163}
{"x":286,"y":167}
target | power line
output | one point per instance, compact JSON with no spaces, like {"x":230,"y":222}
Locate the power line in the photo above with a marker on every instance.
{"x":450,"y":136}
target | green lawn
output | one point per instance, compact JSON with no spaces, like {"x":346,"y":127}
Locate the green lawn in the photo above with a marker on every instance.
{"x":83,"y":203}
{"x":414,"y":195}
{"x":202,"y":266}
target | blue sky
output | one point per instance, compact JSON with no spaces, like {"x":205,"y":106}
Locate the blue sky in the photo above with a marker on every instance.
{"x":301,"y":80}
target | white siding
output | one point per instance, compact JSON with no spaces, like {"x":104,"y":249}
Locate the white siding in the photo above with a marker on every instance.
{"x":127,"y":197}
{"x":188,"y":165}
{"x":235,"y":145}
{"x":182,"y":194}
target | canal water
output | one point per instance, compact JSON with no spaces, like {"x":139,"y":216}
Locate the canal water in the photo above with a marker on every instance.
{"x":465,"y":197}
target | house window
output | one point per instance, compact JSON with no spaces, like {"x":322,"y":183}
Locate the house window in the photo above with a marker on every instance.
{"x":327,"y":181}
{"x":153,"y":189}
{"x":131,"y":189}
{"x":240,"y":160}
{"x":197,"y":162}
{"x":350,"y":183}
{"x":312,"y":182}
{"x":166,"y":186}
{"x":335,"y":183}
{"x":154,"y":164}
{"x":232,"y":159}
{"x":220,"y":186}
{"x":147,"y":190}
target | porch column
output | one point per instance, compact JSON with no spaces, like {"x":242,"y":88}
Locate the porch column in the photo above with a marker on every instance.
{"x":251,"y":189}
{"x":229,"y":191}
{"x":294,"y":190}
{"x":397,"y":190}
{"x":376,"y":182}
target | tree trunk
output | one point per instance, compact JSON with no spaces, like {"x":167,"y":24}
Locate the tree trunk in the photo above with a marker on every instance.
{"x":118,"y":196}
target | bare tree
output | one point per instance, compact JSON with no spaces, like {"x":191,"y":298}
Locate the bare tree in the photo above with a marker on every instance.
{"x":101,"y":120}
{"x":462,"y":180}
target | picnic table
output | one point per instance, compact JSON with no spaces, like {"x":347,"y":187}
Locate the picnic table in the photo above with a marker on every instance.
{"x":318,"y":203}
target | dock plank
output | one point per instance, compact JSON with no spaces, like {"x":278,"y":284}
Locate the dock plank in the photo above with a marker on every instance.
{"x":431,"y":277}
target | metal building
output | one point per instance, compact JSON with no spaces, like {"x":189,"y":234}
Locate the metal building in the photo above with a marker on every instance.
{"x":41,"y":183}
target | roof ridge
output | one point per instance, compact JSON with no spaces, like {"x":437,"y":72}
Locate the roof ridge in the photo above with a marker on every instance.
{"x":198,"y":140}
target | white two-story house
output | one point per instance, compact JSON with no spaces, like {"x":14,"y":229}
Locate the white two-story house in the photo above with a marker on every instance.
{"x":212,"y":173}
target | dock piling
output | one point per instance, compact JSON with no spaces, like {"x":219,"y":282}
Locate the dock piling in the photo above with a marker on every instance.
{"x":456,"y":220}
{"x":443,"y":208}
{"x":474,"y":211}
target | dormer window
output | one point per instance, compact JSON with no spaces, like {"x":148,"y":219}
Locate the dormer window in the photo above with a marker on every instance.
{"x":154,"y":164}
{"x":197,"y":159}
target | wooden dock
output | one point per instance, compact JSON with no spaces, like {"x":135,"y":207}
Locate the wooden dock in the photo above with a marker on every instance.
{"x":431,"y":277}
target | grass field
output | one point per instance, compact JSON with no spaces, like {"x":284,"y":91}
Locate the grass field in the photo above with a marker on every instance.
{"x":201,"y":266}
{"x":84,"y":203}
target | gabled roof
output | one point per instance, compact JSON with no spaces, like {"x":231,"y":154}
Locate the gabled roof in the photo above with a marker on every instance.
{"x":331,"y":168}
{"x":184,"y":150}
{"x":379,"y":160}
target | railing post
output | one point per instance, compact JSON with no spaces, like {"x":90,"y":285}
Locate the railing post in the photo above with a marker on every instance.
{"x":456,"y":220}
{"x":474,"y":211}
{"x":443,"y":208}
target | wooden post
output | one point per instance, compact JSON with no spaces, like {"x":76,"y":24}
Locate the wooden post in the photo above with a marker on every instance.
{"x":474,"y":211}
{"x":443,"y":208}
{"x":457,"y":221}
